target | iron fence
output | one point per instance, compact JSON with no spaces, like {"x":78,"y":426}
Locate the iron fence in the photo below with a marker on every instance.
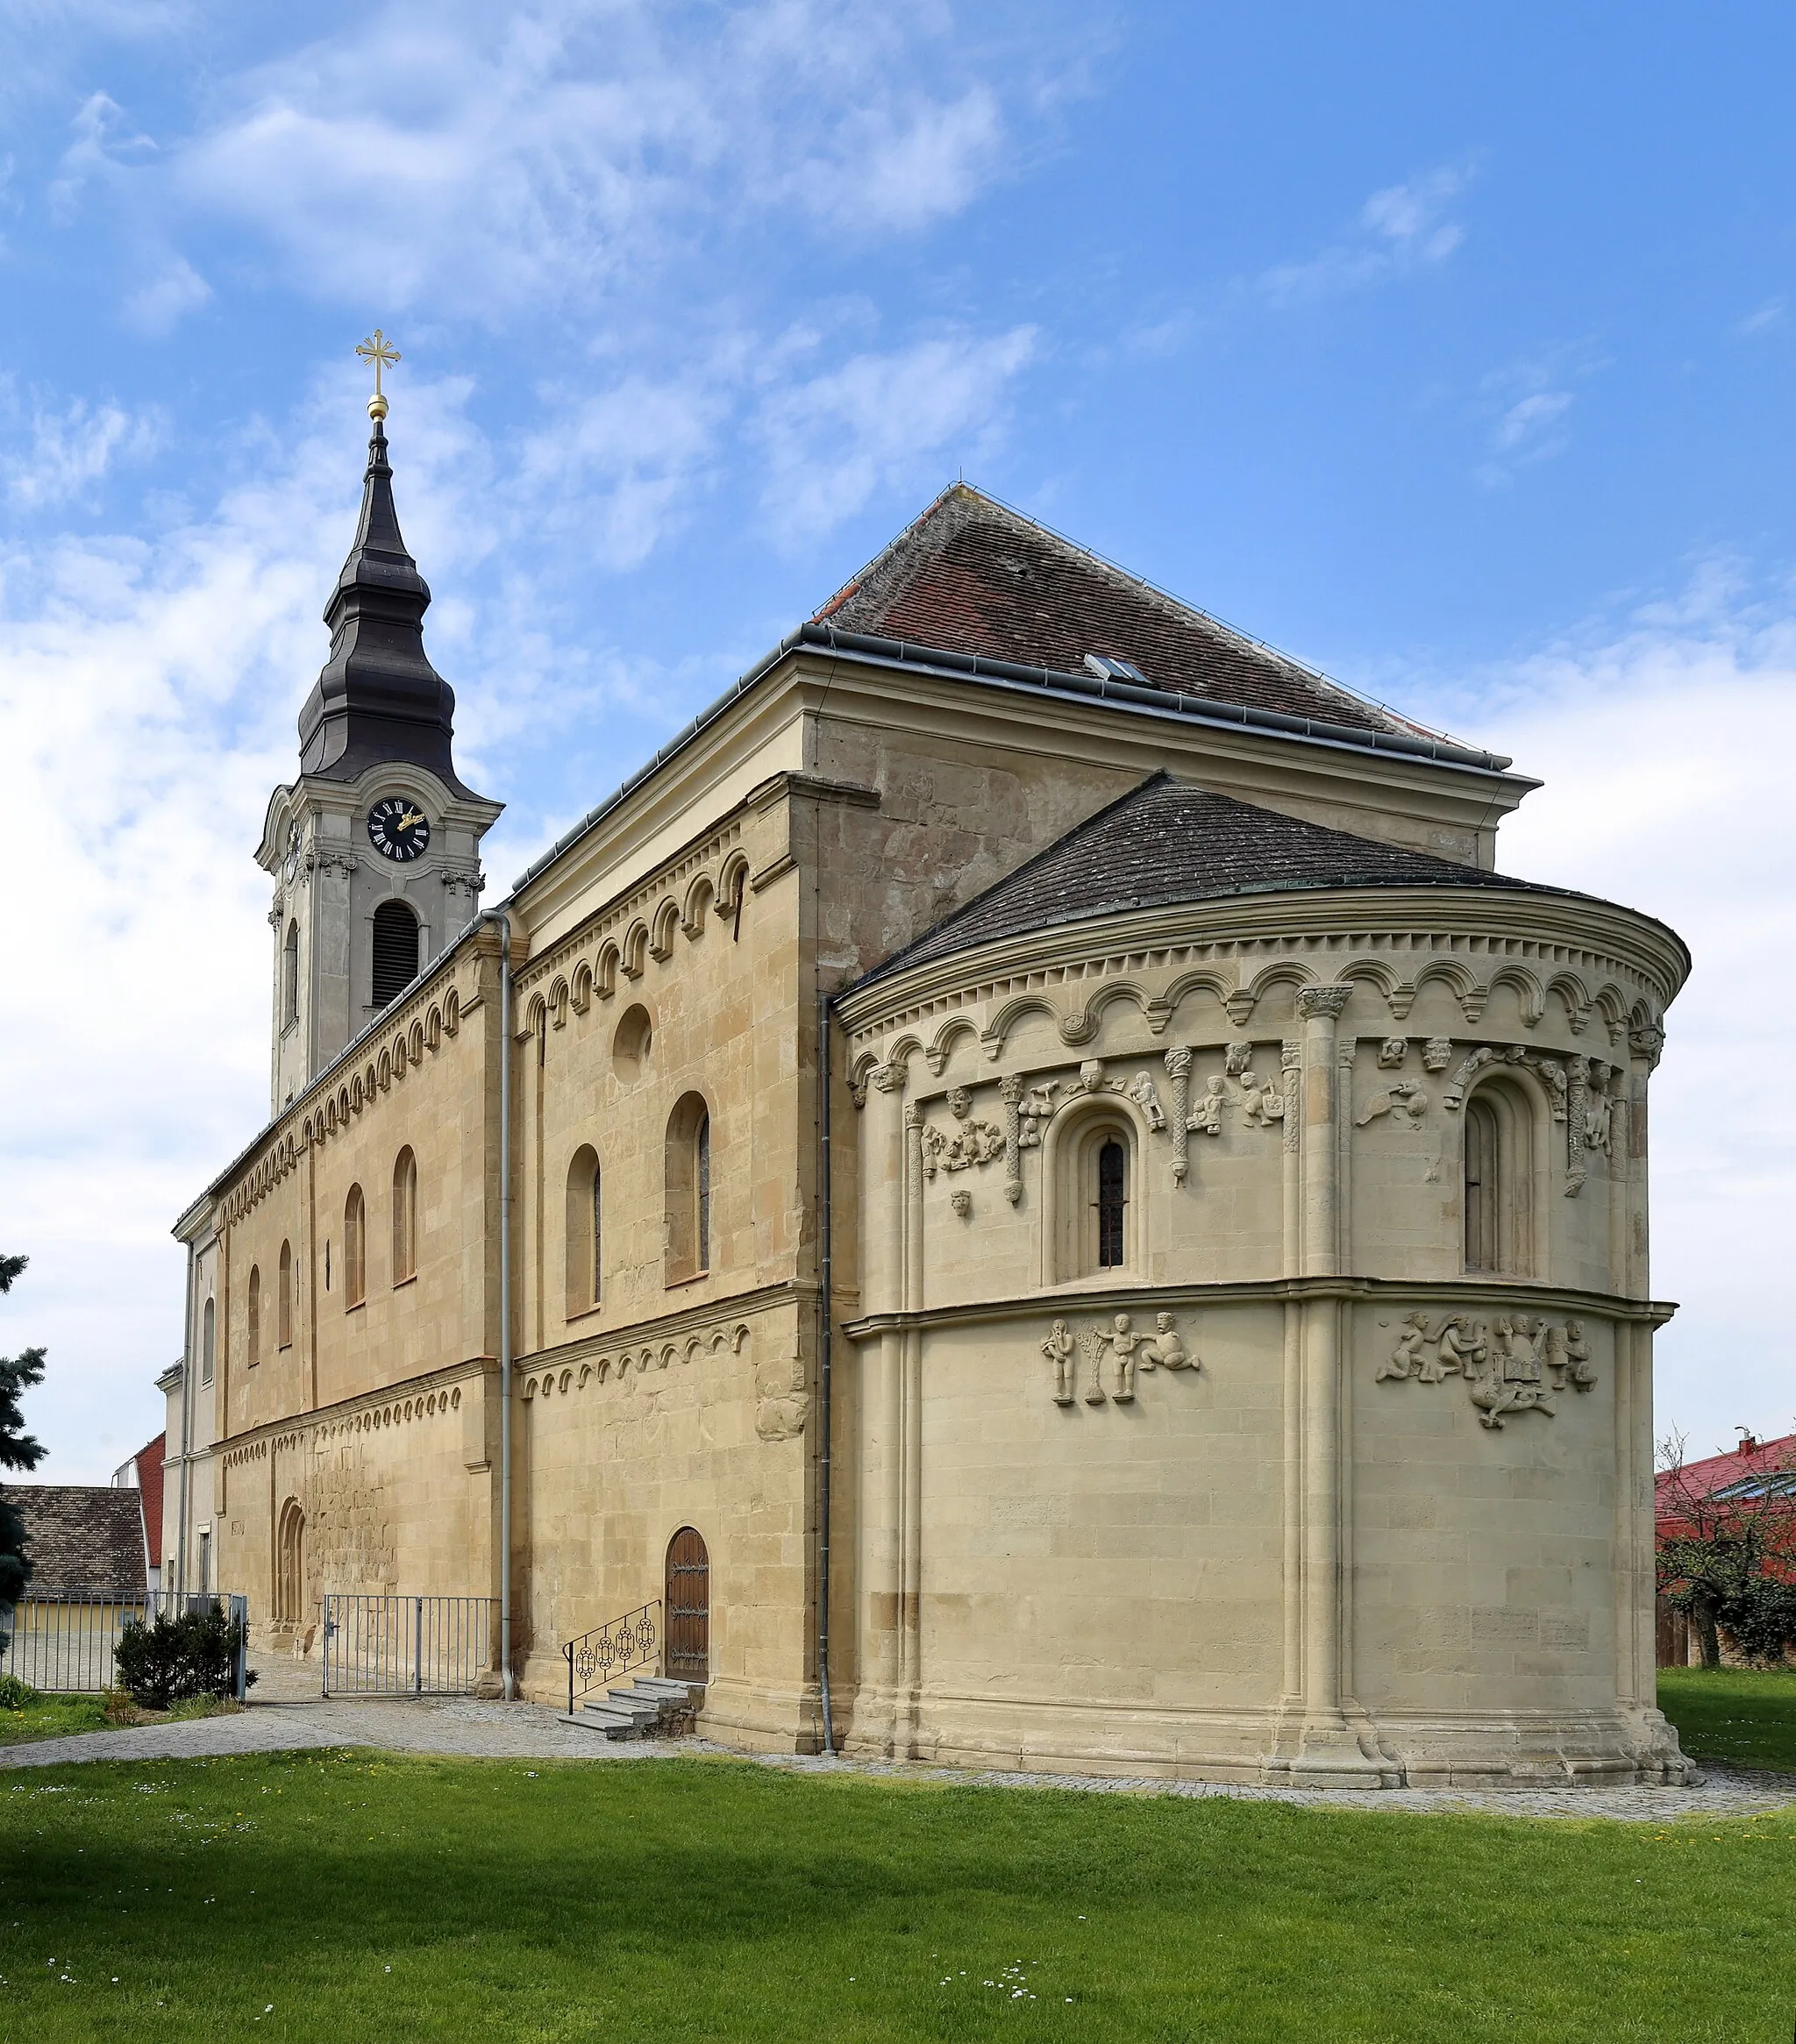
{"x":611,"y":1649}
{"x":407,"y":1646}
{"x":64,"y":1641}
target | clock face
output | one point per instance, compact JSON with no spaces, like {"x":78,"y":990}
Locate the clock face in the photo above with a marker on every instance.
{"x":397,"y":828}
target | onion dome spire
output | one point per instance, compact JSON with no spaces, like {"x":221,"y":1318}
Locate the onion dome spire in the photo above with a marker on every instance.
{"x":378,"y":696}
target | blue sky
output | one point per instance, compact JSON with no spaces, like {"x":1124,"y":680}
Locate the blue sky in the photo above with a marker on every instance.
{"x":1453,"y":350}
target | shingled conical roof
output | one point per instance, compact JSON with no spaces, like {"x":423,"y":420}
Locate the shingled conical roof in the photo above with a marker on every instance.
{"x":1167,"y":842}
{"x":973,"y":576}
{"x":378,"y":697}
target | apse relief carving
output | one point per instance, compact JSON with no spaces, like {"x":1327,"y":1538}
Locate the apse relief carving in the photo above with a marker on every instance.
{"x":1517,"y":1362}
{"x":1122,"y":1345}
{"x":1582,"y":1092}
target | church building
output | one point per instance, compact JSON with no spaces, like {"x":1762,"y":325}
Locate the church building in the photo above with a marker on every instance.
{"x":1027,"y":1181}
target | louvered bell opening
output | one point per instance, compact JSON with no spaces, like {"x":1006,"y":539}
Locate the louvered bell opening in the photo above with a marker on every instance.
{"x":396,"y":950}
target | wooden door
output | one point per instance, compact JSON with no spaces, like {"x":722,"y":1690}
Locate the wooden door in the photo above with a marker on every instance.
{"x":688,"y":1608}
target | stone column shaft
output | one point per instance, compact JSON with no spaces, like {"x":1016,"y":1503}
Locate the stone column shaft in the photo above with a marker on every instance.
{"x":1320,"y":1009}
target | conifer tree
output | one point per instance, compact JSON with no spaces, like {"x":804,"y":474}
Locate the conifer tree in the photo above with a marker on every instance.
{"x":17,"y":1450}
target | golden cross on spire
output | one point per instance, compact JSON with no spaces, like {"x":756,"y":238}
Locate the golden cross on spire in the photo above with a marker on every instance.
{"x":376,"y":349}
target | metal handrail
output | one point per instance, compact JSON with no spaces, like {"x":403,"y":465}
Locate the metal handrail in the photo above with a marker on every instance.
{"x":612,"y":1648}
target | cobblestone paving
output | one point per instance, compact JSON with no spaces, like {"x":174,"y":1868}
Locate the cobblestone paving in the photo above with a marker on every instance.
{"x":494,"y":1731}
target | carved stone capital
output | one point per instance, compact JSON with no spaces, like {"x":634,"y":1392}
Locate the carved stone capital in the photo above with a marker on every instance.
{"x":1648,"y":1042}
{"x":1177,"y":1063}
{"x":1314,"y":1002}
{"x":888,"y":1077}
{"x":1011,"y":1088}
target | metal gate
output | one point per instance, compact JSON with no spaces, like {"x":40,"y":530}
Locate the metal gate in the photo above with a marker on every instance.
{"x":63,"y":1640}
{"x":407,"y":1646}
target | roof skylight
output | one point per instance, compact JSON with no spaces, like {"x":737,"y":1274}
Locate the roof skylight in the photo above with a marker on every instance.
{"x":1107,"y":667}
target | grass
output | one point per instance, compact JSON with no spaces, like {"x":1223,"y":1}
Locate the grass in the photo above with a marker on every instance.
{"x":1732,"y":1713}
{"x":361,"y":1898}
{"x":56,"y":1717}
{"x":52,"y":1716}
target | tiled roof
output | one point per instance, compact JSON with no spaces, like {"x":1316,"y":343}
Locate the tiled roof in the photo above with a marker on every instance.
{"x":150,"y":1473}
{"x":1167,"y":842}
{"x":82,"y":1537}
{"x":1717,"y":1472}
{"x":972,"y":576}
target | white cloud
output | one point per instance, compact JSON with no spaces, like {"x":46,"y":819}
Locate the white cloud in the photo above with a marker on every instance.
{"x":148,"y":691}
{"x":1400,"y":231}
{"x":1531,"y":404}
{"x":883,"y":421}
{"x":1664,"y":748}
{"x":626,"y":462}
{"x":103,"y":149}
{"x":495,"y":163}
{"x":172,"y":289}
{"x":73,"y":450}
{"x":1769,"y":318}
{"x":913,"y":164}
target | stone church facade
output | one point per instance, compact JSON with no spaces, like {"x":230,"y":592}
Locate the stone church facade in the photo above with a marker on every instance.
{"x":1034,"y":1131}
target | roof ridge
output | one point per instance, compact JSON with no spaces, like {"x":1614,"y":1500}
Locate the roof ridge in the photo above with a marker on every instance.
{"x":895,"y":567}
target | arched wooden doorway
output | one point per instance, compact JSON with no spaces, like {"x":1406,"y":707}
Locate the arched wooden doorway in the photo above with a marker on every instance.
{"x":289,"y":1566}
{"x":688,"y":1608}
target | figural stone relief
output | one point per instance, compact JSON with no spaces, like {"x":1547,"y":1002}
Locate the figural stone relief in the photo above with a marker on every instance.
{"x":1582,"y":1093}
{"x":975,"y":1142}
{"x":1127,"y":1348}
{"x":1518,"y":1363}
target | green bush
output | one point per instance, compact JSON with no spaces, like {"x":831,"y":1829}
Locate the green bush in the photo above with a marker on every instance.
{"x":1761,"y":1616}
{"x":15,"y":1694}
{"x":193,"y":1655}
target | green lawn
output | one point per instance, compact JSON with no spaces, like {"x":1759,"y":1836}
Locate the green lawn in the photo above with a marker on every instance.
{"x":1734,"y":1713}
{"x":356,"y":1897}
{"x":55,"y":1717}
{"x":52,"y":1716}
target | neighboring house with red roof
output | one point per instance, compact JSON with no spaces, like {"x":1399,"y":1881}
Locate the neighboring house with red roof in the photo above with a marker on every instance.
{"x":1694,"y":1498}
{"x":1754,"y":1468}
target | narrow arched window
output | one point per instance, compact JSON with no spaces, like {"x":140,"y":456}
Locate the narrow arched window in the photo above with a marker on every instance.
{"x":395,"y":951}
{"x":284,"y":1322}
{"x":1112,"y":1203}
{"x":1482,"y":1138}
{"x":702,"y":1166}
{"x":256,"y":1315}
{"x":354,"y":1250}
{"x":1498,"y":1182}
{"x":586,"y":1268}
{"x":209,"y":1341}
{"x":404,"y":1216}
{"x":289,"y":975}
{"x":688,"y":1182}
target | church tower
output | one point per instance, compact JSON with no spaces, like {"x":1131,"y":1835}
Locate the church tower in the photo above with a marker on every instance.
{"x":375,"y":849}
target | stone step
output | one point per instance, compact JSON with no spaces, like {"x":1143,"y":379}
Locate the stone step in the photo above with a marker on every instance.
{"x":647,"y":1709}
{"x":607,"y":1723}
{"x":665,"y":1685}
{"x":642,"y":1708}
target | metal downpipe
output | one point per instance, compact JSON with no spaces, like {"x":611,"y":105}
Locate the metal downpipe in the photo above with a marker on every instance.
{"x":503,"y":921}
{"x":186,"y":1421}
{"x":827,"y":1302}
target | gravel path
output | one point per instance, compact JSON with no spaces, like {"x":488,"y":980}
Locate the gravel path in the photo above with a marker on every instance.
{"x":494,"y":1731}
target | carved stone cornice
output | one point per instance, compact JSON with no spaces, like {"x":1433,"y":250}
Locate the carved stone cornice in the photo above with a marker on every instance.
{"x":1447,"y":1294}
